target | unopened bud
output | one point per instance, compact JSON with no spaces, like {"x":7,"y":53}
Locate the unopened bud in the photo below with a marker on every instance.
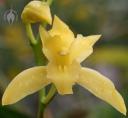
{"x":36,"y":11}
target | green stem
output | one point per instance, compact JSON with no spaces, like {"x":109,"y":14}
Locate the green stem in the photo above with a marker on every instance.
{"x":45,"y":101}
{"x":40,"y":60}
{"x":50,"y":95}
{"x":30,"y":34}
{"x":41,"y":110}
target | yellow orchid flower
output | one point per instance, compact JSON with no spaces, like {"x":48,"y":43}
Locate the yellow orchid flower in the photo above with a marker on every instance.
{"x":36,"y":11}
{"x":65,"y":53}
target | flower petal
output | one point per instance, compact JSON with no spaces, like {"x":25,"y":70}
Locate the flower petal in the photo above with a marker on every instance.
{"x":61,"y":29}
{"x":82,"y":47}
{"x":64,"y":77}
{"x":101,"y":87}
{"x":25,"y":83}
{"x":44,"y":35}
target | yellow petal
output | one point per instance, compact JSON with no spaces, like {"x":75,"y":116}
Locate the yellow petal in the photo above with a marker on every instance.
{"x":63,"y":77}
{"x":36,"y":11}
{"x":25,"y":83}
{"x":61,"y":29}
{"x":44,"y":35}
{"x":101,"y":87}
{"x":82,"y":47}
{"x":54,"y":47}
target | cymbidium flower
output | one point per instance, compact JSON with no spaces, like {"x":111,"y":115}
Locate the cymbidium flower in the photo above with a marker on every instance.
{"x":36,"y":11}
{"x":65,"y":53}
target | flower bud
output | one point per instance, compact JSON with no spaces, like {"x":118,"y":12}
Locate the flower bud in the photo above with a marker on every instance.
{"x":36,"y":11}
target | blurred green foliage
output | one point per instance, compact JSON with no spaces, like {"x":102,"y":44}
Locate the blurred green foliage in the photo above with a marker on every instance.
{"x":9,"y":113}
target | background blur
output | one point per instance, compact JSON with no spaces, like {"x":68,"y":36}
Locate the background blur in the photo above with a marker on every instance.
{"x":110,"y":57}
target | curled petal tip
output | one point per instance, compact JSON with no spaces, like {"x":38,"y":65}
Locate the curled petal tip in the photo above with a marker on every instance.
{"x":3,"y":103}
{"x":124,"y":113}
{"x":99,"y":36}
{"x":123,"y":109}
{"x":5,"y":100}
{"x":93,"y":39}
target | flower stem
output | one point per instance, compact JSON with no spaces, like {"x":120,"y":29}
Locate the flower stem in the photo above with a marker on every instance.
{"x":50,"y":95}
{"x":40,"y":59}
{"x":30,"y":34}
{"x":45,"y":101}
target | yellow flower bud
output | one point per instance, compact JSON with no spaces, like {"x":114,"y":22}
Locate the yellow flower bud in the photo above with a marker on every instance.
{"x":36,"y":11}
